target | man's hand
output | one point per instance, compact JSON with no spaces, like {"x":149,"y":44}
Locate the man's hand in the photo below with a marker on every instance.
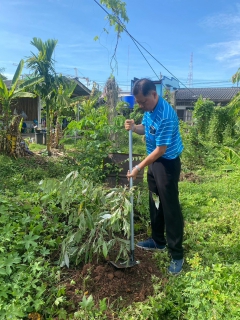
{"x":133,"y":174}
{"x":129,"y":124}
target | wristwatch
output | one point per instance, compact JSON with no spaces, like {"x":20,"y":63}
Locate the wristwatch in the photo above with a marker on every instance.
{"x":138,"y":168}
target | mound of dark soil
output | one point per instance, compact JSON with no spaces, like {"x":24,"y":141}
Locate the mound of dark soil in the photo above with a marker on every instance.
{"x":103,"y":280}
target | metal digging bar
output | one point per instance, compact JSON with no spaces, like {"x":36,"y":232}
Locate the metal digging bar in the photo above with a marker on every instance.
{"x":131,"y":262}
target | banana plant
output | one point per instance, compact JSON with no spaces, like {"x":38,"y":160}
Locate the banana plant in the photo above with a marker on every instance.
{"x":7,"y":95}
{"x":233,"y":154}
{"x":63,"y":102}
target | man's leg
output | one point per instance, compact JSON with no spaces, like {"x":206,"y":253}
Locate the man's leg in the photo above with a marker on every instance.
{"x":166,"y":175}
{"x":156,"y":214}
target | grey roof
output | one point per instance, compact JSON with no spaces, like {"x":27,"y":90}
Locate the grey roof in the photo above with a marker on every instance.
{"x":214,"y":94}
{"x":81,"y":89}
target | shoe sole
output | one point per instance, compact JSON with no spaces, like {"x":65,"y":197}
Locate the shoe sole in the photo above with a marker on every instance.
{"x":151,"y":249}
{"x":174,"y":274}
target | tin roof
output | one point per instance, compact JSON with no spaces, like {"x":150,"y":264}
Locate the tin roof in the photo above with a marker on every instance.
{"x":214,"y":94}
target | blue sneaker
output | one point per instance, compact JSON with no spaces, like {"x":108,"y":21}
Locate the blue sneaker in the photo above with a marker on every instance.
{"x":151,"y":245}
{"x":175,"y":266}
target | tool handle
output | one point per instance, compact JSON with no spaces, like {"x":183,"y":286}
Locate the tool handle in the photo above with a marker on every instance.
{"x":131,"y":199}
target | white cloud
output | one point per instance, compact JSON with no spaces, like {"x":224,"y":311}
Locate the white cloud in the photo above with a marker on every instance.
{"x":226,"y":50}
{"x":221,"y":20}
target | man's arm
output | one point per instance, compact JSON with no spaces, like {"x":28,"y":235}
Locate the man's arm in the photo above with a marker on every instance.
{"x":139,"y":129}
{"x":153,"y":156}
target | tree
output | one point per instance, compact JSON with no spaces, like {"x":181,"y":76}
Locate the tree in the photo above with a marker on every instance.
{"x":63,"y":101}
{"x":8,"y":95}
{"x":42,"y":65}
{"x":235,"y":102}
{"x":236,"y":77}
{"x":203,"y":110}
{"x":10,"y":138}
{"x":115,"y":18}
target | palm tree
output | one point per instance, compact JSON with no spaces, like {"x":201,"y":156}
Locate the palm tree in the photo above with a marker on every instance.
{"x":42,"y":65}
{"x":236,"y":77}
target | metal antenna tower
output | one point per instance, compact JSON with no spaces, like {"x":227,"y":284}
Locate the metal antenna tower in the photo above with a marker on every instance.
{"x":190,"y":73}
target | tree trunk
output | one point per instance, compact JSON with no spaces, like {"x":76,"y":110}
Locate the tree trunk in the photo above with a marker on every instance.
{"x":48,"y":128}
{"x":112,"y":98}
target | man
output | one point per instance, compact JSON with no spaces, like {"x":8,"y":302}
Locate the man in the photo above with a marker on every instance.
{"x":164,"y":145}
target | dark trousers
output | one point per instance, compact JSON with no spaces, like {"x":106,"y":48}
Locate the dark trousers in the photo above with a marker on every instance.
{"x":163,"y":176}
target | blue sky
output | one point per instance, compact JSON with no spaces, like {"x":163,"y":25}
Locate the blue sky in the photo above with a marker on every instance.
{"x":170,"y":30}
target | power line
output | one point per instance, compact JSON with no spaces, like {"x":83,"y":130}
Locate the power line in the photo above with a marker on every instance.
{"x":136,"y":42}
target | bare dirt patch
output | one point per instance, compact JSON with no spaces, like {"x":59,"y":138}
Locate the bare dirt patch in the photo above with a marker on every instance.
{"x":189,"y":176}
{"x":102,"y":280}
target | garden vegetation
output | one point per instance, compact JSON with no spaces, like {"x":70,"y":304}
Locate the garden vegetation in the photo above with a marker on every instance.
{"x":57,"y":213}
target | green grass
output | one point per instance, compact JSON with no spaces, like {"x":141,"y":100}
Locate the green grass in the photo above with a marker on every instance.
{"x":208,"y":288}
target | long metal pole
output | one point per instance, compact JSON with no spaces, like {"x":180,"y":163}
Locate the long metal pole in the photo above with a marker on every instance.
{"x":131,"y":199}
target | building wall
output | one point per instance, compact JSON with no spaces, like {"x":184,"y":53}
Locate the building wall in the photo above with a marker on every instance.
{"x":184,"y":113}
{"x":26,"y":105}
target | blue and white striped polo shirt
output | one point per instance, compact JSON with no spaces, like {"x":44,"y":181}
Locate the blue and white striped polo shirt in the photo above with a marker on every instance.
{"x":162,"y":129}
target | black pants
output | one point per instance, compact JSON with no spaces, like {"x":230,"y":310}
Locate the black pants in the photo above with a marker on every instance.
{"x":163,"y":176}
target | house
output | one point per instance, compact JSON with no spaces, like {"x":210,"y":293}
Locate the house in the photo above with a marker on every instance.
{"x":163,"y":84}
{"x":31,"y":107}
{"x":185,"y":98}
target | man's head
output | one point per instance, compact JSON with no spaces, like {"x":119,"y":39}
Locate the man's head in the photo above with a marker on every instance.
{"x":145,"y":94}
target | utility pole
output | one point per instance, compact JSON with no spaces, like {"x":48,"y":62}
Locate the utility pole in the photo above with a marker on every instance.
{"x":76,"y":72}
{"x":190,"y":73}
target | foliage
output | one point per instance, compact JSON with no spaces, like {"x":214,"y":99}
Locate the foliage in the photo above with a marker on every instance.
{"x":232,"y":153}
{"x":236,"y":77}
{"x":115,"y":18}
{"x":63,"y":102}
{"x":235,"y":102}
{"x":24,"y":174}
{"x":38,"y":222}
{"x":70,"y":218}
{"x":42,"y":65}
{"x":167,"y":94}
{"x":89,"y":311}
{"x":235,"y":105}
{"x":221,"y":125}
{"x":197,"y":151}
{"x":7,"y":96}
{"x":118,"y":8}
{"x":26,"y":249}
{"x":97,"y":217}
{"x":202,"y":114}
{"x":93,"y":143}
{"x":137,"y":114}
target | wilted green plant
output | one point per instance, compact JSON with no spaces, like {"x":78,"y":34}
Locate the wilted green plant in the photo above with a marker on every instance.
{"x":98,"y":217}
